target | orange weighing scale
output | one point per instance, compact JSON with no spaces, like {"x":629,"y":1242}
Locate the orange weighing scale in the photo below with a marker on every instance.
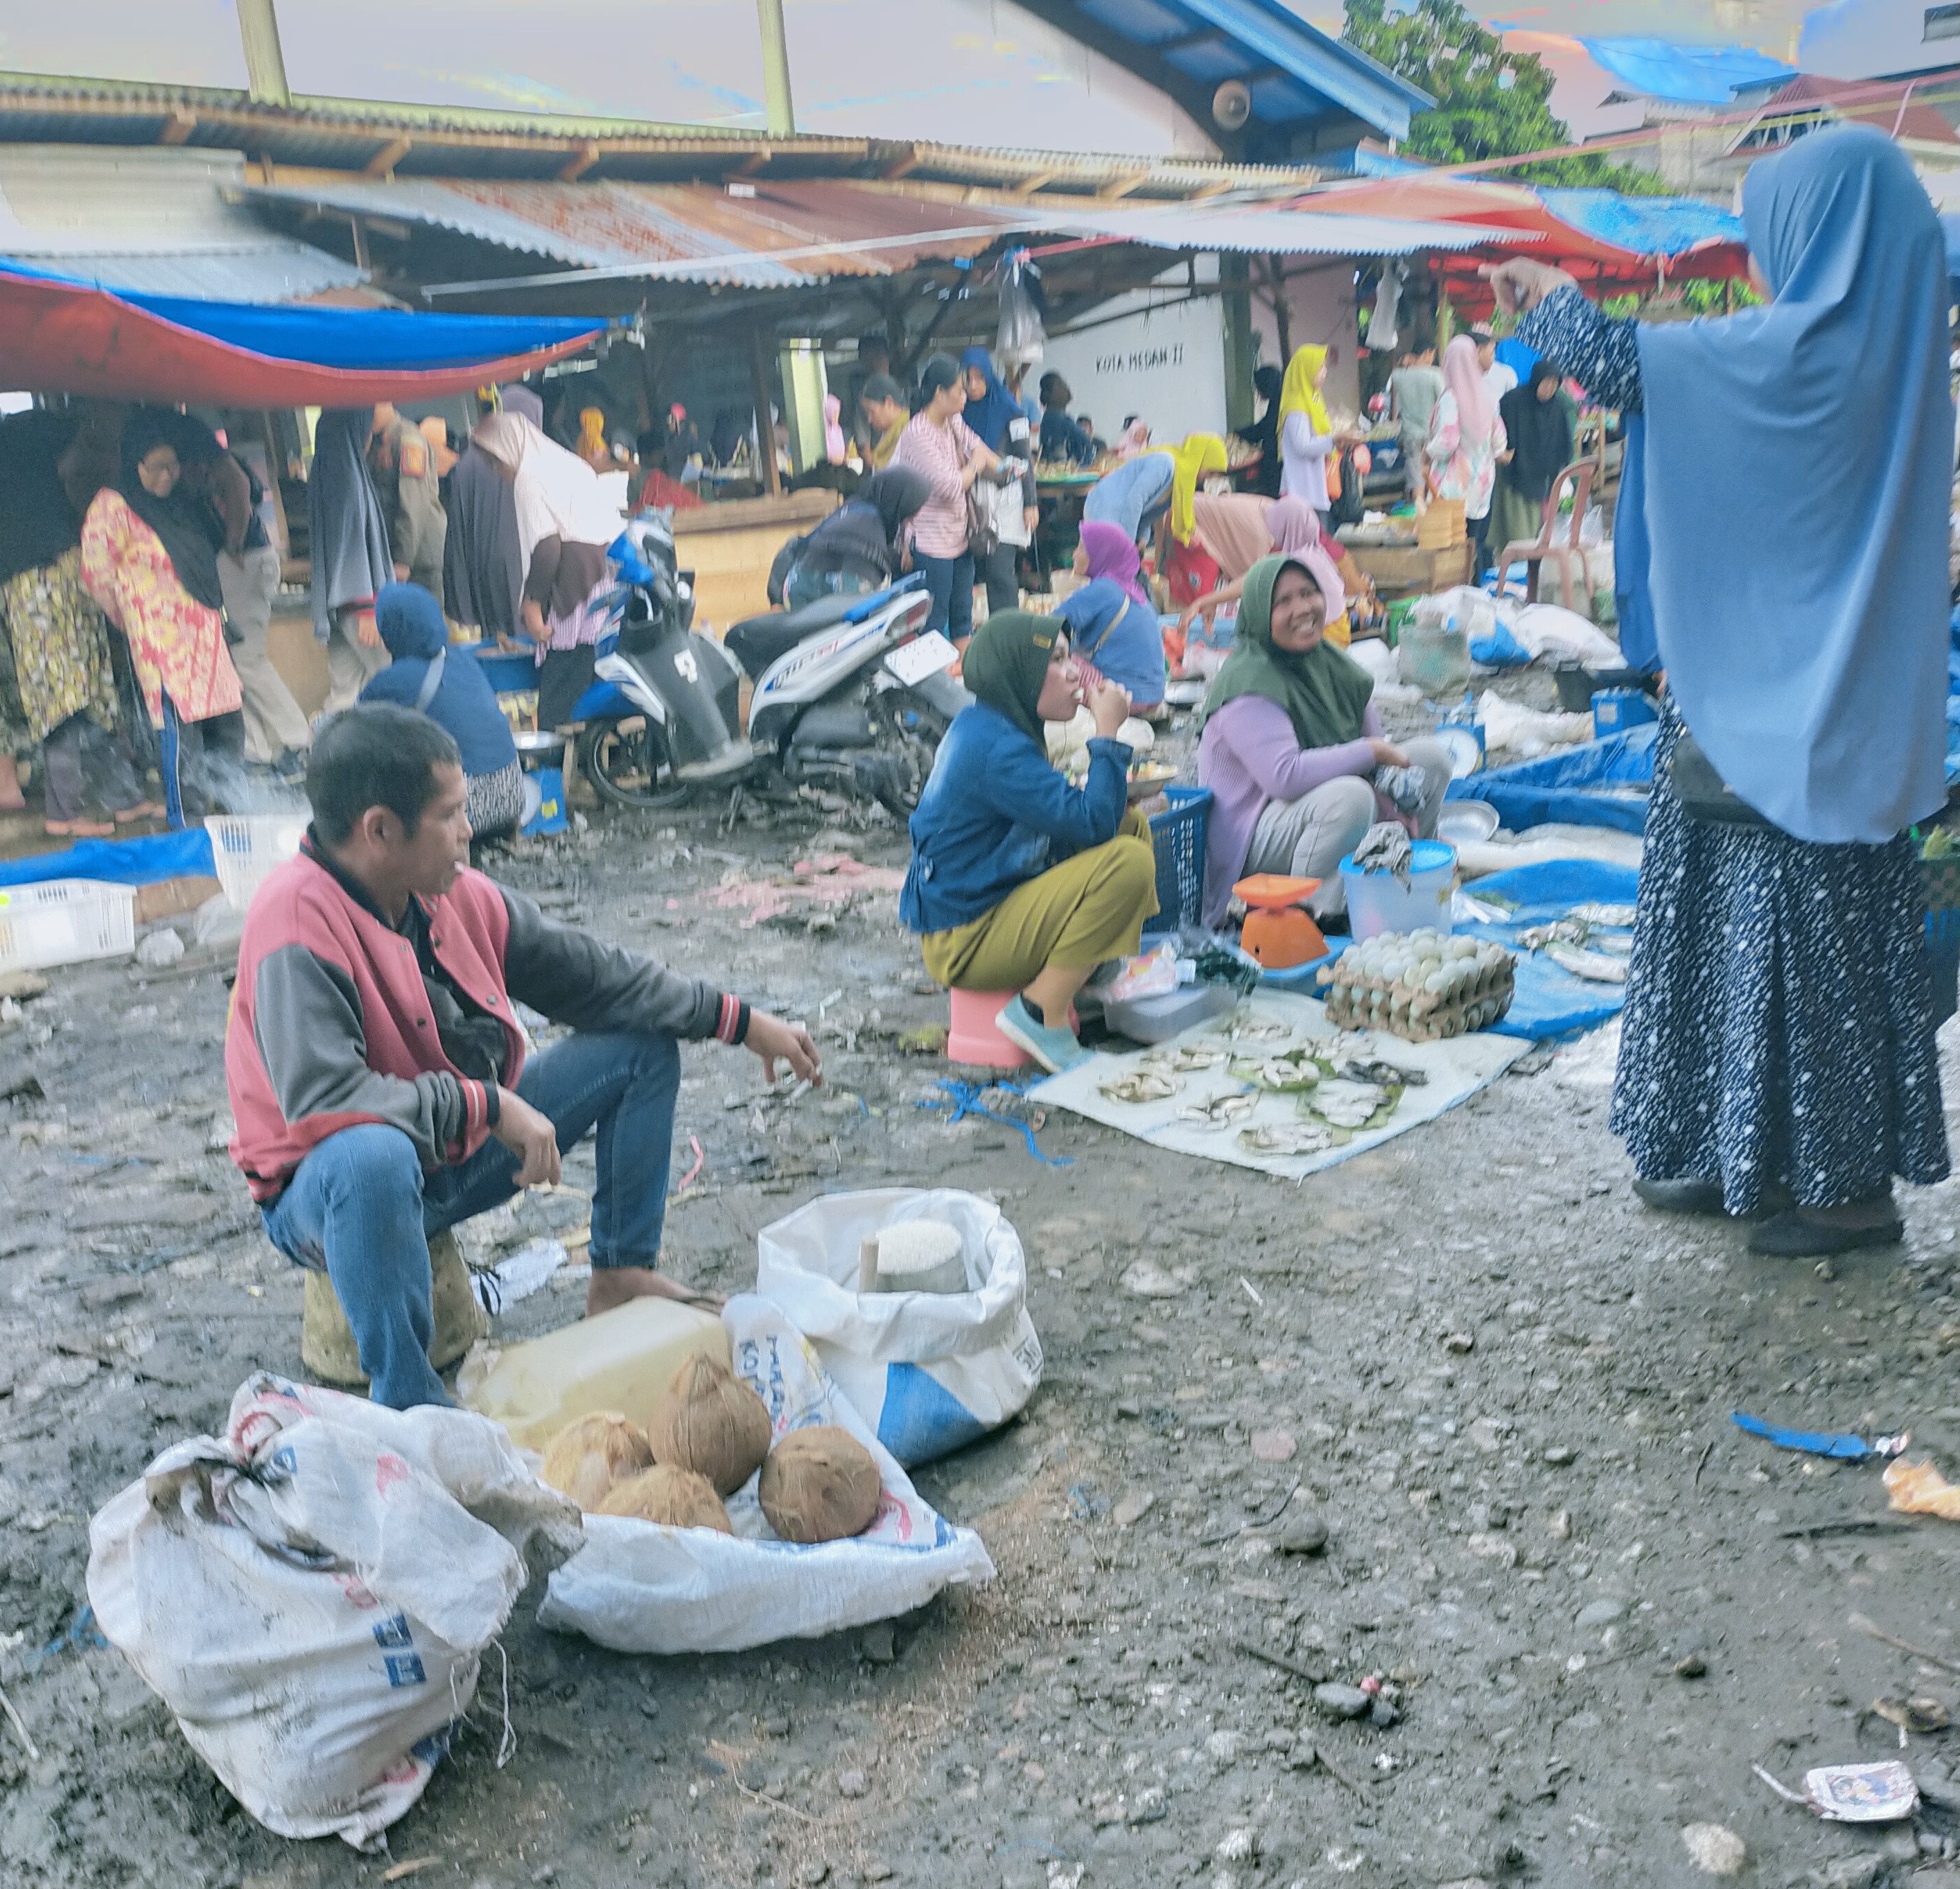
{"x":1278,"y":932}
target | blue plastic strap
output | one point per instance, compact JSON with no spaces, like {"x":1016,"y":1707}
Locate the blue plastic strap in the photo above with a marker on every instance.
{"x":1846,"y":1449}
{"x":964,"y":1100}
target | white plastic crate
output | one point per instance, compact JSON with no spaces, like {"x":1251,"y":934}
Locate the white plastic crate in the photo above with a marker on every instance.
{"x":66,"y":921}
{"x":248,"y":847}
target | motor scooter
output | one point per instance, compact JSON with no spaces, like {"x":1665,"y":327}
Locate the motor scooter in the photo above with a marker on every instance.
{"x":847,"y":693}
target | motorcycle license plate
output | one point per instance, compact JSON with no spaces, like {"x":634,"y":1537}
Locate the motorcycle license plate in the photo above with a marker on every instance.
{"x":924,"y":656}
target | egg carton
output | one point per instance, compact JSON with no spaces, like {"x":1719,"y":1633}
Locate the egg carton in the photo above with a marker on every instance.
{"x":1421,"y":986}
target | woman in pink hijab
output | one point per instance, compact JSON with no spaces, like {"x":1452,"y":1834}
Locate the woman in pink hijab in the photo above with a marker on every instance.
{"x":1465,"y":437}
{"x":833,"y":429}
{"x":1240,"y":528}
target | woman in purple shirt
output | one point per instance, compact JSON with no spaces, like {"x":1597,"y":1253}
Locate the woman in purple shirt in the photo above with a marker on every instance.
{"x":1292,"y":745}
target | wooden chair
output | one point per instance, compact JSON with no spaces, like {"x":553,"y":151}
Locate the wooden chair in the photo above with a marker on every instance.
{"x":1568,"y":555}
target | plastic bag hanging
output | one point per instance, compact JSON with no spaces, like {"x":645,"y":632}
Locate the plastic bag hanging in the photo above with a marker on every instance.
{"x":1023,"y":334}
{"x":1384,"y":323}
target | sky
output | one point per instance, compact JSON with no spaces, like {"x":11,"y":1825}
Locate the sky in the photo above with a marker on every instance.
{"x":968,"y":71}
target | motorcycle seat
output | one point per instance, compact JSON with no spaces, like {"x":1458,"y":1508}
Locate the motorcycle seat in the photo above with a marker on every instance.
{"x":757,"y":642}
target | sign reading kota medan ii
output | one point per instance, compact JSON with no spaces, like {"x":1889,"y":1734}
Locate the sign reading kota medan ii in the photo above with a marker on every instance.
{"x":1166,"y":363}
{"x":1141,"y":360}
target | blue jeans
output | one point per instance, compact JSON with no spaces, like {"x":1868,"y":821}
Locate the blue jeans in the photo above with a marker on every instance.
{"x":949,"y":582}
{"x":361,"y":1207}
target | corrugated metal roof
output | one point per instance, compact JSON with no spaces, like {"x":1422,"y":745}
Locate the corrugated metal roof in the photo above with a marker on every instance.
{"x":278,"y":271}
{"x":1272,"y":231}
{"x":399,"y":140}
{"x":776,"y":235}
{"x":157,"y":221}
{"x":792,"y":233}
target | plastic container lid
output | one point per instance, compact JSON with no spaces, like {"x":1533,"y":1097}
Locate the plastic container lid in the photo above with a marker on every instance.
{"x":1426,"y":857}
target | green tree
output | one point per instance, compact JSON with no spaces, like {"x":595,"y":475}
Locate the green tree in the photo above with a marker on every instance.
{"x":1489,"y":101}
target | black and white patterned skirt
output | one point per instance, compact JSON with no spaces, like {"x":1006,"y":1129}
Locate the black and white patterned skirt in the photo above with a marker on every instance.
{"x":496,"y":801}
{"x":1779,"y":1018}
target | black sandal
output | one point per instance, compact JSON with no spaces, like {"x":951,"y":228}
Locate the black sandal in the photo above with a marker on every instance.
{"x":1792,"y":1236}
{"x":1681,"y":1196}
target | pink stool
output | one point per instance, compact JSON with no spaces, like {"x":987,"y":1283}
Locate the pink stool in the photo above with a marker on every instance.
{"x":972,"y":1036}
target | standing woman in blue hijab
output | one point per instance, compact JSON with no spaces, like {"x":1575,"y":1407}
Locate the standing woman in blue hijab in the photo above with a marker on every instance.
{"x":1777,"y":1057}
{"x":996,"y":416}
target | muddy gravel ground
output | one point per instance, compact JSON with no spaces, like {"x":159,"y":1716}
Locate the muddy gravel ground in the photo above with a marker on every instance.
{"x":1502,"y":1386}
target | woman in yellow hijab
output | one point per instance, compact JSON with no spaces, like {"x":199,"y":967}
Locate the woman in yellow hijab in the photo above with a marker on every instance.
{"x":1130,"y":495}
{"x":592,"y":447}
{"x":1307,"y":438}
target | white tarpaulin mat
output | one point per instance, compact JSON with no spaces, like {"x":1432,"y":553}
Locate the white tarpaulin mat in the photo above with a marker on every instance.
{"x":1263,"y":1029}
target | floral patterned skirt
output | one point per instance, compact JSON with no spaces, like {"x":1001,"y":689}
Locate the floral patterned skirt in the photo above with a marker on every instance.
{"x":1779,"y":1018}
{"x":60,"y":643}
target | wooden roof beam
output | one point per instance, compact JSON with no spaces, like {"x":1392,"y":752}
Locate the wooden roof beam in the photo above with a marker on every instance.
{"x":901,"y":166}
{"x":391,"y":154}
{"x":178,"y":127}
{"x":1114,"y":192}
{"x":1028,"y":187}
{"x":587,"y":155}
{"x":758,"y":159}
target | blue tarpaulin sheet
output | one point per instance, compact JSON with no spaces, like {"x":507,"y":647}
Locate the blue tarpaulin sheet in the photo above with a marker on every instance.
{"x":372,"y":338}
{"x":1550,"y":1001}
{"x":1685,"y":75}
{"x":1594,"y":785}
{"x":1648,"y":226}
{"x":141,"y":862}
{"x":327,"y":336}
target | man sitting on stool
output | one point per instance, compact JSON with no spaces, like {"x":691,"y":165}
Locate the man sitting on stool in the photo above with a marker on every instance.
{"x":379,"y":1077}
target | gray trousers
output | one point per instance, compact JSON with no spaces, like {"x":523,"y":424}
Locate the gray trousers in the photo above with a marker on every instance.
{"x":349,"y":662}
{"x":274,"y":721}
{"x":1308,"y":838}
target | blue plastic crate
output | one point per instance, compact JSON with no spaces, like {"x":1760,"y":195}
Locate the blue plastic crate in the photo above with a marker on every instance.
{"x":507,"y":673}
{"x":1178,"y":834}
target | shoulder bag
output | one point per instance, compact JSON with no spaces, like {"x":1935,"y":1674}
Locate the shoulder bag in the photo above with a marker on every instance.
{"x":1704,"y":796}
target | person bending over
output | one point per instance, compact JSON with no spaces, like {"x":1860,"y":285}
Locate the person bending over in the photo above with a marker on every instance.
{"x":1020,"y":882}
{"x":378,"y":1075}
{"x":1292,"y":747}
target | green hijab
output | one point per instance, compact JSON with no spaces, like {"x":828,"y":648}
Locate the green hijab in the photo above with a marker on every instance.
{"x":1006,"y":662}
{"x":1324,"y":692}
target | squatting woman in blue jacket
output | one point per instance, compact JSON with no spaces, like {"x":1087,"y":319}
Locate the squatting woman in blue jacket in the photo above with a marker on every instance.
{"x":1020,"y":882}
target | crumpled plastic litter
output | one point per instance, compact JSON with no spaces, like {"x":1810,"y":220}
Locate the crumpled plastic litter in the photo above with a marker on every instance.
{"x":824,"y":879}
{"x":1918,"y":1489}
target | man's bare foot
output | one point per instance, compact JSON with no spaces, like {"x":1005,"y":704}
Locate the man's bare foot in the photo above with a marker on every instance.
{"x":613,"y":1285}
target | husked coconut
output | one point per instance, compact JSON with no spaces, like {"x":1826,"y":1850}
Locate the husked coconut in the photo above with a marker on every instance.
{"x":674,"y":1498}
{"x":819,"y":1485}
{"x":592,"y":1453}
{"x":709,"y":1421}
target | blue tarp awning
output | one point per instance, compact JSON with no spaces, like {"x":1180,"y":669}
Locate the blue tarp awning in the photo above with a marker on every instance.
{"x":59,"y":334}
{"x":1648,"y":226}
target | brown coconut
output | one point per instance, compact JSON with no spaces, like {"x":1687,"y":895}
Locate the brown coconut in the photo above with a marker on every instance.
{"x":677,"y":1498}
{"x":709,"y":1421}
{"x":592,"y":1453}
{"x":819,"y":1485}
